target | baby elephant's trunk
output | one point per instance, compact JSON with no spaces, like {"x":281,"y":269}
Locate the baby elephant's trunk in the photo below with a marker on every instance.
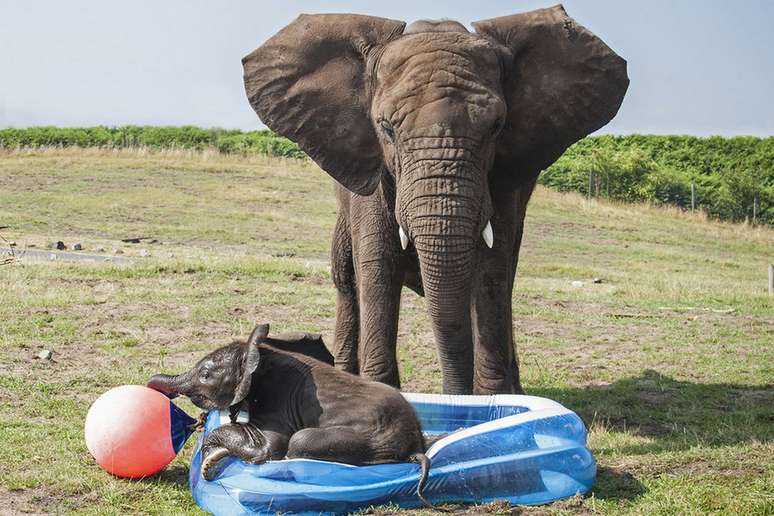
{"x":166,"y":384}
{"x":424,"y":464}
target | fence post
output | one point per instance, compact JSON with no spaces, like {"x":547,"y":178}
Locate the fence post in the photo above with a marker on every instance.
{"x":597,"y":185}
{"x":693,"y":196}
{"x":771,"y":279}
{"x":755,"y":208}
{"x":591,"y":183}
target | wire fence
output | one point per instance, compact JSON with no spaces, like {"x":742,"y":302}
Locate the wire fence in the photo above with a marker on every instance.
{"x":599,"y":186}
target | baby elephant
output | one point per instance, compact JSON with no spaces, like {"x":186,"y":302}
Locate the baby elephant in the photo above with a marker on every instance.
{"x":299,"y":405}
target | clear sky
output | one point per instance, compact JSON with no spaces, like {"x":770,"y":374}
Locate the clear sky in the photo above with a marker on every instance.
{"x":696,"y":66}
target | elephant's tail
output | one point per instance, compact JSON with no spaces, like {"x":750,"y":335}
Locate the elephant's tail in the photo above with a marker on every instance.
{"x":424,"y":464}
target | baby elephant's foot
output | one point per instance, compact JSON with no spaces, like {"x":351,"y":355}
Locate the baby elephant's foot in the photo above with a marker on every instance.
{"x":201,"y":421}
{"x":210,"y":461}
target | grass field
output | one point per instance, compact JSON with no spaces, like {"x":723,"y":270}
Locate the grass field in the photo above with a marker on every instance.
{"x":669,"y":360}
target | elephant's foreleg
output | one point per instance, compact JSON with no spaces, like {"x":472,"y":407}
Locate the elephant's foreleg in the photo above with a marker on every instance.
{"x":376,"y":252}
{"x":379,"y":308}
{"x":244,"y":441}
{"x":496,"y":367}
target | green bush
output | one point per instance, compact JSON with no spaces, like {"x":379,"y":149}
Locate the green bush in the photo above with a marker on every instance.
{"x":728,"y":173}
{"x":187,"y":137}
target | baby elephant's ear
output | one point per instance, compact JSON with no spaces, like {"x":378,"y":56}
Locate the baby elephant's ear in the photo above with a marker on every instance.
{"x":249,"y":365}
{"x":259,"y":334}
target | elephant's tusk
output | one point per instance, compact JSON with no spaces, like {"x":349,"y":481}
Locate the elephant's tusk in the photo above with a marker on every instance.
{"x":488,"y":234}
{"x":403,"y":238}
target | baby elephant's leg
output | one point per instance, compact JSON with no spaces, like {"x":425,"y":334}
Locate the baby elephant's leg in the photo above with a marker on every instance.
{"x":338,"y":443}
{"x":244,"y":441}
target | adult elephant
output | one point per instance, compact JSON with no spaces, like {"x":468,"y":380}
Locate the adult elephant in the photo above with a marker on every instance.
{"x":436,"y":136}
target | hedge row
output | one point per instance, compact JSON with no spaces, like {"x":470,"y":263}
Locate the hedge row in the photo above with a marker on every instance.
{"x":729,"y":175}
{"x":187,"y":137}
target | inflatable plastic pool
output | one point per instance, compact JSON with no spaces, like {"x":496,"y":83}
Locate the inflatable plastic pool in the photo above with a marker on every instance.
{"x":523,"y":449}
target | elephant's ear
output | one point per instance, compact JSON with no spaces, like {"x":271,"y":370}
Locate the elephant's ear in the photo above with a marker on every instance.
{"x":259,"y":334}
{"x":561,"y":84}
{"x":250,"y":362}
{"x":309,"y":83}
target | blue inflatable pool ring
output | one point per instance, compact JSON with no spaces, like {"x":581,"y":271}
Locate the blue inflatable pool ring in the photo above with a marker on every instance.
{"x":523,"y":449}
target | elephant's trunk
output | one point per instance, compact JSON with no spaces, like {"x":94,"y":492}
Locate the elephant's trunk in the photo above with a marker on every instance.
{"x":446,"y":277}
{"x":444,"y":213}
{"x":169,"y":384}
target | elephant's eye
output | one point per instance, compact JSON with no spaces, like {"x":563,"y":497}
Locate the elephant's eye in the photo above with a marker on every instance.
{"x":387,"y":129}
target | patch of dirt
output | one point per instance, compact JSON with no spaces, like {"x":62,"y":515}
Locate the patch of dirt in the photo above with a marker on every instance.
{"x":105,"y":322}
{"x":39,"y":501}
{"x":68,"y":361}
{"x":22,"y":501}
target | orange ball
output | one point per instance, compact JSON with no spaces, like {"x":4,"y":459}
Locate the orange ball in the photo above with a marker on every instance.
{"x":133,"y":431}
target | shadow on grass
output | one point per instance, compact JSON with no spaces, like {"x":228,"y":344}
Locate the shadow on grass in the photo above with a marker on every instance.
{"x":176,"y":475}
{"x":674,"y":415}
{"x":614,"y":484}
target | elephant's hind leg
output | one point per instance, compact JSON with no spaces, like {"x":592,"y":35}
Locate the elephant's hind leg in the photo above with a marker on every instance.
{"x":337,"y":443}
{"x":211,"y":460}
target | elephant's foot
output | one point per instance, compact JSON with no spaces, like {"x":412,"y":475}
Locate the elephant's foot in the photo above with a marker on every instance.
{"x":211,"y":460}
{"x":493,"y":378}
{"x":502,"y":385}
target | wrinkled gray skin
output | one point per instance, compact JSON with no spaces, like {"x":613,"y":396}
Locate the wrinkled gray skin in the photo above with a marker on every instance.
{"x":441,"y":132}
{"x":299,"y":405}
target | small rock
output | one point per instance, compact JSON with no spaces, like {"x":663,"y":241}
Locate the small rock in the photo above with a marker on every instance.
{"x":77,"y":247}
{"x":31,"y":245}
{"x":12,"y":244}
{"x":61,"y":246}
{"x":144,"y":252}
{"x":597,"y":280}
{"x":118,"y":251}
{"x":577,"y":283}
{"x":45,"y":354}
{"x":100,"y":249}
